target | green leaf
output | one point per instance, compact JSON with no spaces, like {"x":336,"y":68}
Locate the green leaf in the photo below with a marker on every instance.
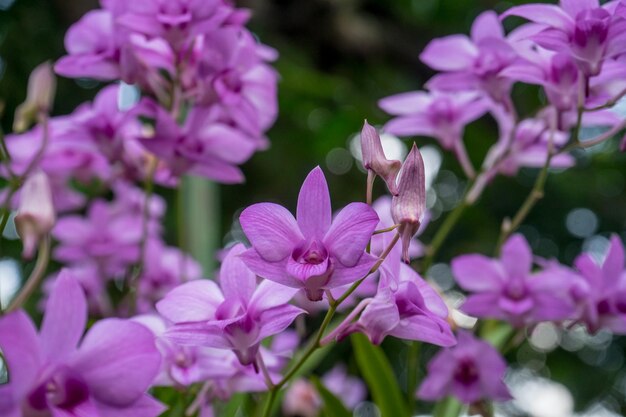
{"x":496,"y":333}
{"x":333,"y":407}
{"x":379,"y":376}
{"x":450,"y":407}
{"x":235,"y":403}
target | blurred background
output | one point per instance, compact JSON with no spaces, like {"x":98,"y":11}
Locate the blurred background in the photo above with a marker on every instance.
{"x":337,"y":59}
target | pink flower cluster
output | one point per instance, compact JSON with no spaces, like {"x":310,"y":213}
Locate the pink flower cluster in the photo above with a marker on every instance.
{"x":574,"y":52}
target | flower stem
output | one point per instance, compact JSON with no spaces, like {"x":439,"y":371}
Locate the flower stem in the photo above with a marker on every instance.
{"x":442,"y":233}
{"x":370,"y":186}
{"x":537,"y":192}
{"x":132,"y":281}
{"x":43,"y":257}
{"x":411,"y":366}
{"x":388,"y":229}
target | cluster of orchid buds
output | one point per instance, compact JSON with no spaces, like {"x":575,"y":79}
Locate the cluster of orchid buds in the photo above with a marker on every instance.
{"x":193,"y":94}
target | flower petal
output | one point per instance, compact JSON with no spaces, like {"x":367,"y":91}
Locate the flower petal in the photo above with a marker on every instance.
{"x":193,"y":301}
{"x":450,"y":53}
{"x":483,"y":305}
{"x":350,"y":232}
{"x":273,"y":271}
{"x":613,"y":265}
{"x":271,"y":229}
{"x":277,"y":319}
{"x":21,"y":349}
{"x":486,"y":25}
{"x":118,"y":360}
{"x":406,"y":103}
{"x":414,"y":124}
{"x":198,"y":334}
{"x":477,"y":273}
{"x":314,"y":210}
{"x":65,"y":318}
{"x":236,"y":279}
{"x":516,"y":256}
{"x":343,"y":275}
{"x":271,"y":294}
{"x":547,"y":14}
{"x":145,"y":406}
{"x":380,"y":317}
{"x":426,"y":329}
{"x":573,"y":7}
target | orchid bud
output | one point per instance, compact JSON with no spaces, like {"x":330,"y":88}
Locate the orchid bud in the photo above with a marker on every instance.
{"x":35,"y":215}
{"x":39,"y":97}
{"x":374,"y":158}
{"x":408,"y":207}
{"x":301,"y":399}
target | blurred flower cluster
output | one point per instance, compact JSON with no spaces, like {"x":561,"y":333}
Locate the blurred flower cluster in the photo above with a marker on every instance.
{"x":202,"y":96}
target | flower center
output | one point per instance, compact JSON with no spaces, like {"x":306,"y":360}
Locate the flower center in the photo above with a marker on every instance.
{"x":516,"y":290}
{"x":466,"y":372}
{"x":63,"y":389}
{"x":592,"y":28}
{"x":313,"y":254}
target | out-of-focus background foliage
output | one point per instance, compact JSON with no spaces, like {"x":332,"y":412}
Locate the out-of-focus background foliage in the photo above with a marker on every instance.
{"x":337,"y":58}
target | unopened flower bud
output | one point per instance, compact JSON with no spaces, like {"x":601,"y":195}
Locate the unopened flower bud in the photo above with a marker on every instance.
{"x":301,"y":399}
{"x":35,"y":215}
{"x":408,"y":207}
{"x":39,"y":97}
{"x":374,"y":158}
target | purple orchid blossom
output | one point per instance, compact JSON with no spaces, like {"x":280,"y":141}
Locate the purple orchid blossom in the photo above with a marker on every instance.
{"x":473,"y":64}
{"x":92,"y":283}
{"x":440,"y":115}
{"x":237,"y":317}
{"x":51,"y":373}
{"x":405,"y":307}
{"x":202,"y":146}
{"x":530,"y":143}
{"x":184,"y":365}
{"x":602,"y":293}
{"x":92,"y":48}
{"x":556,"y":72}
{"x":165,"y":267}
{"x":177,"y":20}
{"x":232,"y":75}
{"x":588,"y":32}
{"x":105,"y":238}
{"x":349,"y":389}
{"x":313,"y":253}
{"x":470,"y":371}
{"x":506,"y":289}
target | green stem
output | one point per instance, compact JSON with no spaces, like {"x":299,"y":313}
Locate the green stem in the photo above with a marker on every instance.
{"x":35,"y":277}
{"x":537,"y":191}
{"x":411,"y":365}
{"x":131,"y":283}
{"x":442,"y":233}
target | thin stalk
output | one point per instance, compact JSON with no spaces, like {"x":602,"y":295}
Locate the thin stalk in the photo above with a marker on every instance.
{"x":349,"y":319}
{"x":609,"y":103}
{"x":35,"y":277}
{"x":266,"y":374}
{"x":442,"y":233}
{"x":388,"y":229}
{"x":537,"y":191}
{"x":132,"y":281}
{"x":411,"y":366}
{"x":370,"y":186}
